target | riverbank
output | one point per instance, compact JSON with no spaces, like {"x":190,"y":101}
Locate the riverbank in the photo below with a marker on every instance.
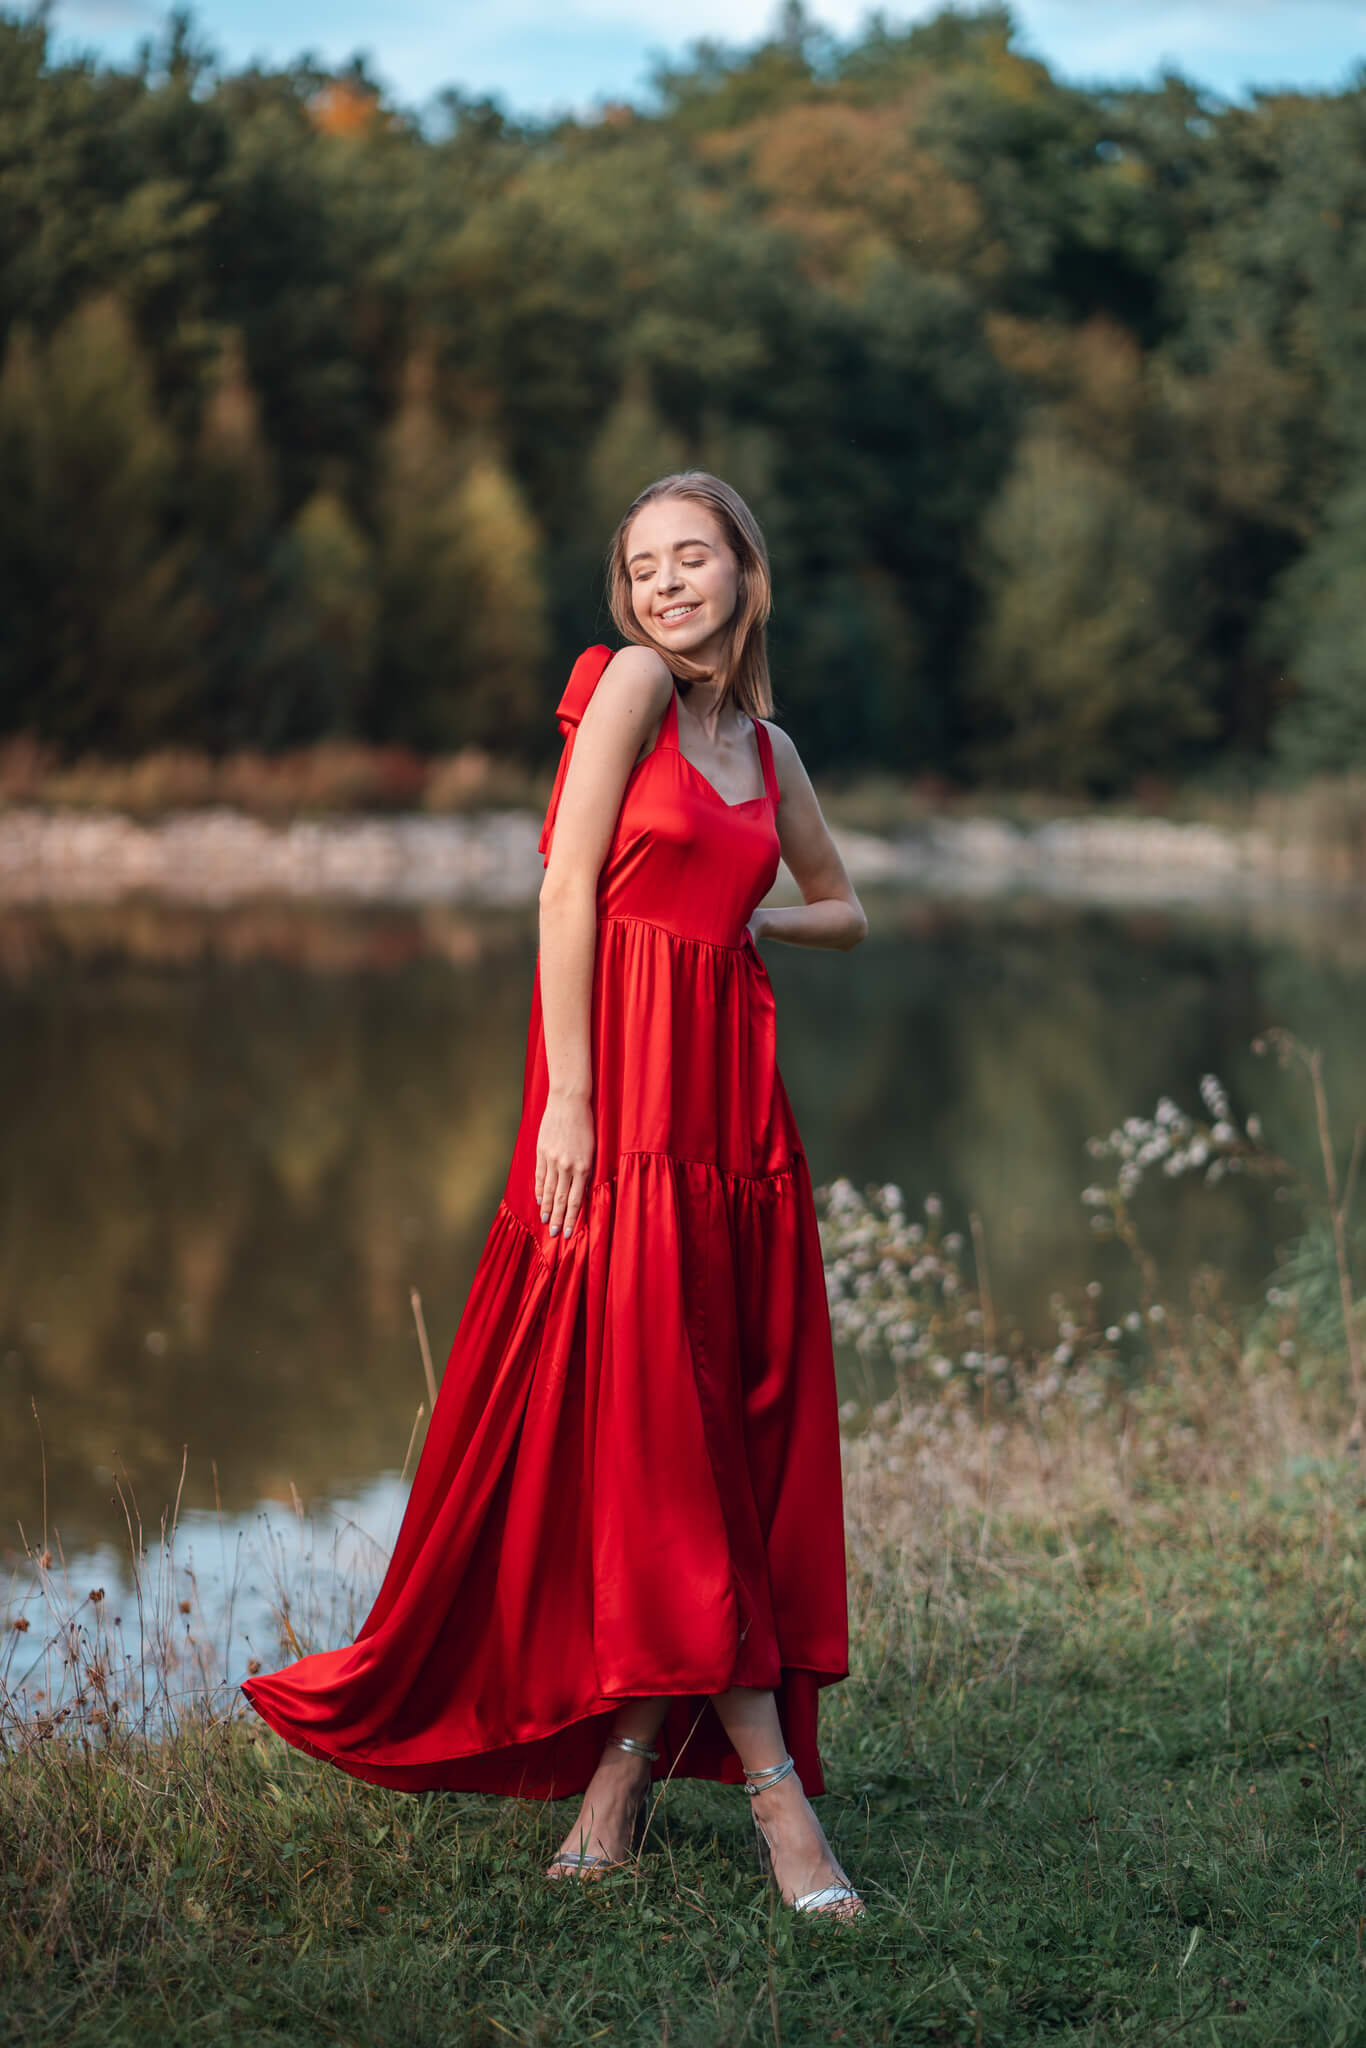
{"x":221,"y":855}
{"x":345,"y":823}
{"x":1097,"y":1771}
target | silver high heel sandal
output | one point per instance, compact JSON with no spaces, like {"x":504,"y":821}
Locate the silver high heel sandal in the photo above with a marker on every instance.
{"x":830,"y":1895}
{"x":577,"y":1860}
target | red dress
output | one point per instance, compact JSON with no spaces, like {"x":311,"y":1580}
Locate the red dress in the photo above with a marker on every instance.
{"x":631,"y":1479}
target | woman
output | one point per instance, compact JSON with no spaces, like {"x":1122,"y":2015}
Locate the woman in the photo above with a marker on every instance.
{"x":623,"y":1554}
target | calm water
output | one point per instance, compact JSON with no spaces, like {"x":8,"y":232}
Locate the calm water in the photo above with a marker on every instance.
{"x":232,"y":1143}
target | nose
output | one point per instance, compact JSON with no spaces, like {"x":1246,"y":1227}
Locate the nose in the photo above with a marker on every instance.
{"x":669,"y":578}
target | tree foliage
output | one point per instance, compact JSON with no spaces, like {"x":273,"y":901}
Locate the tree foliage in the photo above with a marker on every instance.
{"x":316,"y":414}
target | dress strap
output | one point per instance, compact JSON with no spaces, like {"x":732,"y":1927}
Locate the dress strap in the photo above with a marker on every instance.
{"x":766,"y":761}
{"x":668,"y":731}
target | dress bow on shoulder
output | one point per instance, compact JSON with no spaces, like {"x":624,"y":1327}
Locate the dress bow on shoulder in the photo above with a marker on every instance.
{"x":583,"y":680}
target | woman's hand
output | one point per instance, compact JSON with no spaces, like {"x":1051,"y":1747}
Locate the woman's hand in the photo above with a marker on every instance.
{"x":564,"y":1156}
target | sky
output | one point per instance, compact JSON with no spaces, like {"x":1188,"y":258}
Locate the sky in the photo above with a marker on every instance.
{"x":539,"y":57}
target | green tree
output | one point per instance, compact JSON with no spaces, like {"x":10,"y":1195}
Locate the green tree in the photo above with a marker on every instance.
{"x":842,"y":272}
{"x":1083,"y":673}
{"x":462,"y":609}
{"x":1317,"y":625}
{"x":634,"y":446}
{"x":494,"y":676}
{"x":233,"y":507}
{"x":101,"y":652}
{"x":316,"y":655}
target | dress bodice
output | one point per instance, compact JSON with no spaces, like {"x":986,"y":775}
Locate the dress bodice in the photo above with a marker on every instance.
{"x":680,"y":856}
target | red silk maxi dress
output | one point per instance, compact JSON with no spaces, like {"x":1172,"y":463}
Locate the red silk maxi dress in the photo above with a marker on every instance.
{"x":631,"y":1479}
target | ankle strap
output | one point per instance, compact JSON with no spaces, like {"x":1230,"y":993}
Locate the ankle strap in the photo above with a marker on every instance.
{"x":632,"y":1747}
{"x":773,"y":1774}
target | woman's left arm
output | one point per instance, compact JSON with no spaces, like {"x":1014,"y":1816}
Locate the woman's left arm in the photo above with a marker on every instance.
{"x":830,"y":914}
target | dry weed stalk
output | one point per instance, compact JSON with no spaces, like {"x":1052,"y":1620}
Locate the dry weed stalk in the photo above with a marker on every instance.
{"x":1339,"y":1203}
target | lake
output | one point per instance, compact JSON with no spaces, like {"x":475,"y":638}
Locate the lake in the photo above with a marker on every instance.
{"x":234,"y":1141}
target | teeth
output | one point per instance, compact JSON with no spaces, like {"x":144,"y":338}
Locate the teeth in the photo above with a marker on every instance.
{"x":678,"y":611}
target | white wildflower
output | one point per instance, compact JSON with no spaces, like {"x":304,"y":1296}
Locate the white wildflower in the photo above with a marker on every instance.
{"x":1212,"y":1093}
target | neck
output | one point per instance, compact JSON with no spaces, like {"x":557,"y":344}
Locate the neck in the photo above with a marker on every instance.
{"x":709,"y":692}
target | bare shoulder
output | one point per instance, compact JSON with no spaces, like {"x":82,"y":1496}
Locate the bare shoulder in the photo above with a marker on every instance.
{"x":627,"y":707}
{"x":639,"y":675}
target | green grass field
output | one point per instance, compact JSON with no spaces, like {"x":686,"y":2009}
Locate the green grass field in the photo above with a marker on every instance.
{"x":1098,"y":1774}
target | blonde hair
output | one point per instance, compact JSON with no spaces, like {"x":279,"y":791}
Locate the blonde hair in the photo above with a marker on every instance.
{"x":744,"y":664}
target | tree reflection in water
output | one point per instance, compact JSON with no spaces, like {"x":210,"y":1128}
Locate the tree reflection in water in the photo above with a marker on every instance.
{"x":233,"y":1142}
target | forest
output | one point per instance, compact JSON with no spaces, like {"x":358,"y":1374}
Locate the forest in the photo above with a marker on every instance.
{"x":316,"y":412}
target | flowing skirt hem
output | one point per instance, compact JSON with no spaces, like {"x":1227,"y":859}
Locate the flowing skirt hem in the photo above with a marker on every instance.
{"x":560,"y":1761}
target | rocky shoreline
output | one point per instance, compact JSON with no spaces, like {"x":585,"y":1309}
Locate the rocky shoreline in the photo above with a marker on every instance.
{"x":221,"y":856}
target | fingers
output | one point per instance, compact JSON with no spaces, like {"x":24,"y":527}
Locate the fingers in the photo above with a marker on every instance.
{"x":559,"y":1205}
{"x":574,"y":1203}
{"x":562,"y":1200}
{"x":559,"y":1200}
{"x":564,"y":1157}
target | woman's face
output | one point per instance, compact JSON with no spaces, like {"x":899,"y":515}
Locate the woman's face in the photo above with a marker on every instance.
{"x":684,"y":577}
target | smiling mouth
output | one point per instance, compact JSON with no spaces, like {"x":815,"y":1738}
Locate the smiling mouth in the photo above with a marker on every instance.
{"x":676,"y":614}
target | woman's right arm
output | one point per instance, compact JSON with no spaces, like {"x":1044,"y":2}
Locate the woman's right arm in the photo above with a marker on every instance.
{"x":627,"y":704}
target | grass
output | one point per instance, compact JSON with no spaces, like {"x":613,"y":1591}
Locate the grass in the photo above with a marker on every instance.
{"x":1099,"y":1769}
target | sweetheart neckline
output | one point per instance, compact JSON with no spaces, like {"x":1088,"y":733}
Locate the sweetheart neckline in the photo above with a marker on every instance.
{"x":707,"y":783}
{"x":764,"y":797}
{"x":745,"y":801}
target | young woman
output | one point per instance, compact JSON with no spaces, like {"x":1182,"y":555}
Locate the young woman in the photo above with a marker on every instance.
{"x":623,"y":1555}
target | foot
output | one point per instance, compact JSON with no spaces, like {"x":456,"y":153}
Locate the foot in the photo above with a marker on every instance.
{"x":802,"y":1859}
{"x":603,"y":1825}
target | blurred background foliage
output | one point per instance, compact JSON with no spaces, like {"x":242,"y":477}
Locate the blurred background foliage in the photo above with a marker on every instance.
{"x":316,"y":414}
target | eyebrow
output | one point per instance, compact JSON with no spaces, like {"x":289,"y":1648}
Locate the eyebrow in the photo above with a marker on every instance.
{"x":645,"y":554}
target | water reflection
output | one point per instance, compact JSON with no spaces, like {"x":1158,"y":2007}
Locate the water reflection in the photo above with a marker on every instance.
{"x":234,"y":1141}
